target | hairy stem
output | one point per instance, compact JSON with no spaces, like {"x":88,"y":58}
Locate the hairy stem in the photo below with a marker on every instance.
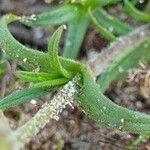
{"x":104,"y":59}
{"x":50,"y":110}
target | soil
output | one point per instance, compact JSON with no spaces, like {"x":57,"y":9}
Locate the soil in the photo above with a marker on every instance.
{"x":74,"y":130}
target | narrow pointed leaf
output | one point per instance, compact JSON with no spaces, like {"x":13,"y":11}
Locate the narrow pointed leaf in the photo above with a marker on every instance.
{"x":135,"y":12}
{"x":75,"y":35}
{"x":101,"y":109}
{"x":28,"y":58}
{"x":106,"y":33}
{"x":22,"y":97}
{"x":129,"y":59}
{"x":35,"y":76}
{"x":54,"y":15}
{"x":102,"y":3}
{"x":52,"y":83}
{"x":53,"y":54}
{"x":111,"y":23}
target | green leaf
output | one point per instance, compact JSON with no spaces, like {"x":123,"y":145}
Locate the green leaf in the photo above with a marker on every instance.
{"x":129,"y":59}
{"x":53,"y":53}
{"x":10,"y":18}
{"x":142,"y":138}
{"x":75,"y":35}
{"x":52,"y":83}
{"x":135,"y":12}
{"x":3,"y":59}
{"x":101,"y":109}
{"x":101,"y":3}
{"x":35,"y":76}
{"x":106,"y":33}
{"x":2,"y":70}
{"x":22,"y":97}
{"x":28,"y":58}
{"x":54,"y":15}
{"x":111,"y":23}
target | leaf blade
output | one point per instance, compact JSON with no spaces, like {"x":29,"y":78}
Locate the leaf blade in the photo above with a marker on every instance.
{"x":22,"y":97}
{"x":111,"y":23}
{"x":54,"y":16}
{"x":75,"y":35}
{"x":53,"y":53}
{"x":135,"y":12}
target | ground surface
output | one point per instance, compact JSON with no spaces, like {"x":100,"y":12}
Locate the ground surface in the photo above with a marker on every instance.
{"x":73,"y":130}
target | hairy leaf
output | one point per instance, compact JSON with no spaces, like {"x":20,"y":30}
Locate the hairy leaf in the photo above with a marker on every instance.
{"x":129,"y":59}
{"x":35,"y":76}
{"x":113,"y":24}
{"x":28,"y":58}
{"x":54,"y":15}
{"x":52,"y":83}
{"x":75,"y":34}
{"x":106,"y":33}
{"x":104,"y":111}
{"x":22,"y":97}
{"x":136,"y":13}
{"x":53,"y":53}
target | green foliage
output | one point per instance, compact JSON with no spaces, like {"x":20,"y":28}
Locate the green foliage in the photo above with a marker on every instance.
{"x":53,"y":54}
{"x":22,"y":97}
{"x":138,"y":140}
{"x":136,"y":52}
{"x":135,"y":13}
{"x":3,"y":59}
{"x":103,"y":110}
{"x":78,"y":14}
{"x":55,"y":71}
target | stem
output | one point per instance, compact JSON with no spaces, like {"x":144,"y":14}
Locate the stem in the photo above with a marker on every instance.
{"x":50,"y":110}
{"x":104,"y":59}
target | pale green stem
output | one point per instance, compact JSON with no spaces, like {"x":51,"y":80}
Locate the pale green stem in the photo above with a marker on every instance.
{"x":50,"y":110}
{"x":7,"y":139}
{"x":101,"y":61}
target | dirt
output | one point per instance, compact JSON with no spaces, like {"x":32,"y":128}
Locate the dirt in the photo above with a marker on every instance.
{"x":74,"y":130}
